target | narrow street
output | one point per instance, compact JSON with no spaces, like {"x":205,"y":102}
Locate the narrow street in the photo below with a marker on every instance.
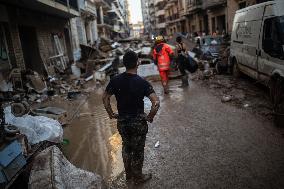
{"x":203,"y":143}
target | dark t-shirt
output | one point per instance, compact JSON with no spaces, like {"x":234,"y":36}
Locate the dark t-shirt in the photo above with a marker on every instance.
{"x":129,"y":91}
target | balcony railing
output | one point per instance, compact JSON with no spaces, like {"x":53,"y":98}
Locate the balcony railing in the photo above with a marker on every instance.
{"x":71,"y":3}
{"x":157,"y":2}
{"x":161,"y":25}
{"x":160,"y":13}
{"x":173,"y":17}
{"x":106,"y":4}
{"x":192,"y":7}
{"x":212,"y":3}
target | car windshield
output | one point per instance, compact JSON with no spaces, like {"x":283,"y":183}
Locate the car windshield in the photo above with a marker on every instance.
{"x":212,"y":41}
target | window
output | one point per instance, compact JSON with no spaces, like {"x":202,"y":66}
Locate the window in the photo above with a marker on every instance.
{"x":3,"y":50}
{"x":272,"y":42}
{"x":242,"y":5}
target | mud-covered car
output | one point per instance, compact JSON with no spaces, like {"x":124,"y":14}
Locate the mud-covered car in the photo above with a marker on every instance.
{"x":211,"y":45}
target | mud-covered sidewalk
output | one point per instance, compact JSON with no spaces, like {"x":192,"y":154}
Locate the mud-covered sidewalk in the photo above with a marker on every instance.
{"x":204,"y":143}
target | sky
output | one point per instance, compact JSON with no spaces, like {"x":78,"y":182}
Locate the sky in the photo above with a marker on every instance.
{"x":135,"y":11}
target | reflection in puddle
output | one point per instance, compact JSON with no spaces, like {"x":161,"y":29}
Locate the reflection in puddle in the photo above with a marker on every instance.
{"x":115,"y":150}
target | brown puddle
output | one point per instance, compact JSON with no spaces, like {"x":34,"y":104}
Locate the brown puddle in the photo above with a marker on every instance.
{"x":95,"y":144}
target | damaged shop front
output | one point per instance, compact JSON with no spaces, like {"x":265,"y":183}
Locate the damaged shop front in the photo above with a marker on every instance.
{"x":35,"y":36}
{"x":35,"y":47}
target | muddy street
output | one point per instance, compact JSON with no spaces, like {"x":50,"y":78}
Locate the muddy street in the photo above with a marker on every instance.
{"x":204,"y":143}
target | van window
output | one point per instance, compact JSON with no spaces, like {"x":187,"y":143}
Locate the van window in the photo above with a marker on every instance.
{"x":272,"y":41}
{"x":281,"y":25}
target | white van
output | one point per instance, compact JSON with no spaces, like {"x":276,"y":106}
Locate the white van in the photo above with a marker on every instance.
{"x":257,"y":43}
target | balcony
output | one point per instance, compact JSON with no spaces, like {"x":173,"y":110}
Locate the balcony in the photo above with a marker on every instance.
{"x":210,"y":4}
{"x":161,"y":25}
{"x":158,"y":2}
{"x":168,"y":5}
{"x":88,"y":8}
{"x":173,"y":17}
{"x":60,"y":8}
{"x":193,"y":7}
{"x":160,"y":13}
{"x":103,"y":3}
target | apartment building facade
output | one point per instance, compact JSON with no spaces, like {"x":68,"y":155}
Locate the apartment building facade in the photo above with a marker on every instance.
{"x":98,"y":18}
{"x":149,"y":17}
{"x":193,"y":16}
{"x":160,"y":26}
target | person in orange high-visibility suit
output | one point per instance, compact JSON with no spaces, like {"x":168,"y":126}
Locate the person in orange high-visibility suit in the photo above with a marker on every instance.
{"x":162,"y":54}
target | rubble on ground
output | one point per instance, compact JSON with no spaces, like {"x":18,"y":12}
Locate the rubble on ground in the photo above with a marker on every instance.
{"x":242,"y":92}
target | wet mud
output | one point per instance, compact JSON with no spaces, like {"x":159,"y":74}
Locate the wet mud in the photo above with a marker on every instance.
{"x":95,"y":144}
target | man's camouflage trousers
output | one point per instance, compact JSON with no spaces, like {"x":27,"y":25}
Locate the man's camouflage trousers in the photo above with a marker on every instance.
{"x":133,"y":133}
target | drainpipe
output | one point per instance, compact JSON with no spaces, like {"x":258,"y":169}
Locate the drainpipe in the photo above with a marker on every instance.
{"x":102,"y":15}
{"x":227,"y":18}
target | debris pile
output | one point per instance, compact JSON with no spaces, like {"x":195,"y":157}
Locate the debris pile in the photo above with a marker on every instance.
{"x":52,"y":170}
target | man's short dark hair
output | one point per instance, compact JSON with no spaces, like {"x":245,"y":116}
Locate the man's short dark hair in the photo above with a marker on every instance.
{"x":130,"y":59}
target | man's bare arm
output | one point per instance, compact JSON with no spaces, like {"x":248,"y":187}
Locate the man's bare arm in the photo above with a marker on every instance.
{"x":154,"y":108}
{"x":106,"y":101}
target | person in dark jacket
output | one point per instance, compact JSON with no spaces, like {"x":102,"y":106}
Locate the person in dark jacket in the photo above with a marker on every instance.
{"x":182,"y":61}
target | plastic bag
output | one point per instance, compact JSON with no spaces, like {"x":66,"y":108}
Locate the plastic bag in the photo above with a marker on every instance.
{"x":193,"y":66}
{"x":36,"y":128}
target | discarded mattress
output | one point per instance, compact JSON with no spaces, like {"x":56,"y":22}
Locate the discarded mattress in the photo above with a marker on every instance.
{"x":36,"y":128}
{"x":51,"y":170}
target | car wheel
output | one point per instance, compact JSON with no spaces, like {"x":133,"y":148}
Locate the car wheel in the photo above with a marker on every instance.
{"x":218,"y":68}
{"x":276,"y":90}
{"x":277,"y":98}
{"x":236,"y":71}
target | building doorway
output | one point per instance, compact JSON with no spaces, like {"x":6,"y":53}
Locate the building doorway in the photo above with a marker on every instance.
{"x":206,"y":24}
{"x":30,"y":49}
{"x":68,"y":44}
{"x":221,"y":23}
{"x":213,"y":25}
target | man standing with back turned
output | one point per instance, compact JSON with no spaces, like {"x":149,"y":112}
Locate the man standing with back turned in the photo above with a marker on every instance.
{"x":129,"y":90}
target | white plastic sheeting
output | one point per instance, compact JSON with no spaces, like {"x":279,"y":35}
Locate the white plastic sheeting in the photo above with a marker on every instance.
{"x":145,"y":70}
{"x":51,"y":170}
{"x":36,"y":128}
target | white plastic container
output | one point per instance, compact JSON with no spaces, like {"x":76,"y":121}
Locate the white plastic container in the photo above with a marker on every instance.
{"x":75,"y":70}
